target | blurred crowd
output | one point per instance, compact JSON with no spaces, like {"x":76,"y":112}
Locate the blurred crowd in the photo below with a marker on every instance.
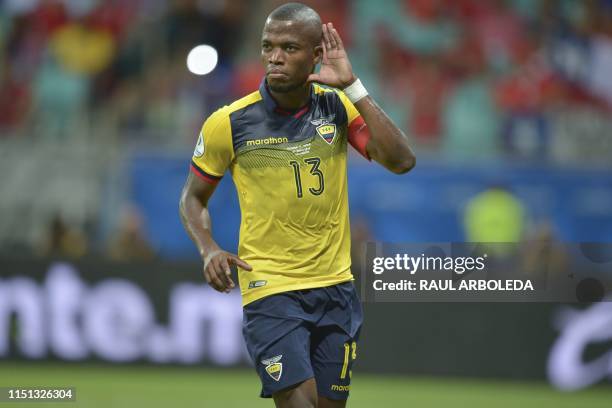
{"x":517,"y":80}
{"x":110,"y":68}
{"x":525,"y":78}
{"x":467,"y":78}
{"x":128,"y":243}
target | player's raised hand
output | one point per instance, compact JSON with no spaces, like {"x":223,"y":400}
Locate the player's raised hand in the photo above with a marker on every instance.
{"x":217,"y":270}
{"x":336,"y":70}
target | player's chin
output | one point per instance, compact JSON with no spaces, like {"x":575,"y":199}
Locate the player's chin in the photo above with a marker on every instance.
{"x":282,"y":84}
{"x":279,"y":87}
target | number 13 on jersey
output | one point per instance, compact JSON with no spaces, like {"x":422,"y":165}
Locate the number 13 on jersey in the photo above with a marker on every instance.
{"x":314,"y":163}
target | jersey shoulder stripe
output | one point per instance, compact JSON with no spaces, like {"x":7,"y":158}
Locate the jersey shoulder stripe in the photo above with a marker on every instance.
{"x":214,"y":152}
{"x":243,"y":102}
{"x":221,"y":116}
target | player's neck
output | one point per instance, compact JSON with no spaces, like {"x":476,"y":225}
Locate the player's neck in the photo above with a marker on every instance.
{"x":292,"y":100}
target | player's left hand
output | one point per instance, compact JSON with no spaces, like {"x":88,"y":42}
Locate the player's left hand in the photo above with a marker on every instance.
{"x":336,"y":70}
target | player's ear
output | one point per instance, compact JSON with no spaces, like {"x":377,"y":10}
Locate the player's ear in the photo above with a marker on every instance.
{"x":318,"y":52}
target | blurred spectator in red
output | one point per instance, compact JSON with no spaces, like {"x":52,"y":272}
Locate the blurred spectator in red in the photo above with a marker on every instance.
{"x":14,"y":101}
{"x":112,"y":16}
{"x":429,"y":87}
{"x":496,"y":27}
{"x":471,"y":120}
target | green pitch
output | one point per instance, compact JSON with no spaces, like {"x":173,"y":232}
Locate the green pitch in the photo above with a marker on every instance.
{"x":153,"y":387}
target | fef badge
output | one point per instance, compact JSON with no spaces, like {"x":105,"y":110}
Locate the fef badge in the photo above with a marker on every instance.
{"x":327,"y":131}
{"x":273,"y":367}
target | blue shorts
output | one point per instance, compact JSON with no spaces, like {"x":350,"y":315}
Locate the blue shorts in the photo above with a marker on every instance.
{"x":297,"y":335}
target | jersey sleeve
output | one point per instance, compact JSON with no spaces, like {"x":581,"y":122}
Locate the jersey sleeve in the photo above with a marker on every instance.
{"x":358,"y":132}
{"x":214,"y":150}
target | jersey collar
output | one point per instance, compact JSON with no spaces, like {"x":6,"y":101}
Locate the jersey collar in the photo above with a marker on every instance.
{"x":272,"y":106}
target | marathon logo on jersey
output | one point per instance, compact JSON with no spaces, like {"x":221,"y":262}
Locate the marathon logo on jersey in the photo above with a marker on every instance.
{"x":267,"y":141}
{"x":273,"y":367}
{"x":325,"y":128}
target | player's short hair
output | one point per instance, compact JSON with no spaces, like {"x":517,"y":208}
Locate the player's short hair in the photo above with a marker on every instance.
{"x":302,"y":13}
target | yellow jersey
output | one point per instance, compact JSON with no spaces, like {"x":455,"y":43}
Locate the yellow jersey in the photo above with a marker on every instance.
{"x":289,"y":169}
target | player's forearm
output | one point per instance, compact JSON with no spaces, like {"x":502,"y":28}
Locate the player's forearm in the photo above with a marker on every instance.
{"x":388,"y":144}
{"x":196,"y":220}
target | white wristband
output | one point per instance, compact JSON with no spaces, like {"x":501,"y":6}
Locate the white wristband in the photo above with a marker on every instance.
{"x":355,"y":91}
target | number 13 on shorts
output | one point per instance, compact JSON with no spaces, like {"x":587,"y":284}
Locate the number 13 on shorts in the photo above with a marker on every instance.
{"x":350,"y":353}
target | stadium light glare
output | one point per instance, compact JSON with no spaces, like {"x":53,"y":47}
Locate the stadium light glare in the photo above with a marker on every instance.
{"x":202,"y":59}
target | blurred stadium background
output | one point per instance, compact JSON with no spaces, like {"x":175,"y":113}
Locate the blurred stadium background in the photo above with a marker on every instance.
{"x":507,"y":104}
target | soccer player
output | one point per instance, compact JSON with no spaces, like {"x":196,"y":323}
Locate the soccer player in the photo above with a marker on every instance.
{"x":286,"y":147}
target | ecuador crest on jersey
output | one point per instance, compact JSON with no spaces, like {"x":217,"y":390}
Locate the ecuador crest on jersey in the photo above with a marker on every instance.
{"x":327,"y":131}
{"x":274,"y":367}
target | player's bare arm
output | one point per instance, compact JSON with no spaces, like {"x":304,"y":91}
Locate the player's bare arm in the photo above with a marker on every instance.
{"x":388,"y":145}
{"x":194,"y":213}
